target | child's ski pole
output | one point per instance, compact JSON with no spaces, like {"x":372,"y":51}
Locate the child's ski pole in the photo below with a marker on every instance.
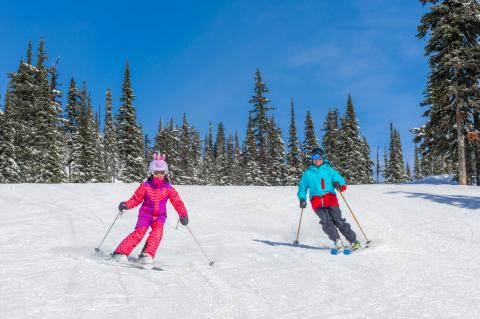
{"x":203,"y":251}
{"x":97,"y":249}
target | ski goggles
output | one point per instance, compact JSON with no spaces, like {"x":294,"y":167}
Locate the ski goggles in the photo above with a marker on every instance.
{"x":316,"y":157}
{"x":159,"y":173}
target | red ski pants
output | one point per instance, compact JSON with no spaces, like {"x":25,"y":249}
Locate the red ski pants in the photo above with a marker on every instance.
{"x":135,"y":237}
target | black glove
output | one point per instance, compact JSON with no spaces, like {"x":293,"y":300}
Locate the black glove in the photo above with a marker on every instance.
{"x":337,"y":186}
{"x":122,"y":207}
{"x":303,"y":203}
{"x":184,"y":220}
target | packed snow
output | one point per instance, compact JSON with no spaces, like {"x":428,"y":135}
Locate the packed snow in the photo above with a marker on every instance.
{"x":423,"y":262}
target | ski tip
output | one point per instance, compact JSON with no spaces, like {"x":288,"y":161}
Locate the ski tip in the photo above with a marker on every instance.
{"x":347,"y":251}
{"x":334,"y":251}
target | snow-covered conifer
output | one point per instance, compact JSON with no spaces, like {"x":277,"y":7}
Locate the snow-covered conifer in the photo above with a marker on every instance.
{"x":294,"y":157}
{"x":129,"y":136}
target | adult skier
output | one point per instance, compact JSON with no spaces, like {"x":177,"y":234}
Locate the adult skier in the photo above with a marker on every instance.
{"x":154,"y":194}
{"x":321,"y":181}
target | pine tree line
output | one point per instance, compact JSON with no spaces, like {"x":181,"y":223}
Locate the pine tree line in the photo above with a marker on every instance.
{"x":263,"y":159}
{"x":41,"y":143}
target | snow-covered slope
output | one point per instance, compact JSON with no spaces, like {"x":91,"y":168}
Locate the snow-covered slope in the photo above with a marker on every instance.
{"x":424,"y":262}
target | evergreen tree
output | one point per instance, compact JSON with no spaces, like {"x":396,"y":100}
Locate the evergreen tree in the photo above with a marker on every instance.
{"x":99,"y":169}
{"x":408,"y":172}
{"x":366,"y":174}
{"x":250,"y":167}
{"x":395,"y":171}
{"x":260,"y":121}
{"x":196,"y":153}
{"x":208,"y":170}
{"x":47,"y":140}
{"x":9,"y":170}
{"x":354,"y":161}
{"x":87,"y":163}
{"x":378,"y":168}
{"x":21,"y":96}
{"x":168,"y":142}
{"x":80,"y":160}
{"x":219,"y":153}
{"x":294,"y":159}
{"x":72,"y":110}
{"x":185,"y":161}
{"x":452,"y":92}
{"x":237,"y":172}
{"x":109,"y":140}
{"x":417,"y":173}
{"x":230,"y":157}
{"x":130,"y":136}
{"x":309,"y":142}
{"x":385,"y":164}
{"x":147,"y":149}
{"x":331,"y":137}
{"x":56,"y":98}
{"x":276,"y":156}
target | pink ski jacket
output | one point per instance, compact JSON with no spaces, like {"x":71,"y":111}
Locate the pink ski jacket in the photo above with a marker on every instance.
{"x":154,"y":197}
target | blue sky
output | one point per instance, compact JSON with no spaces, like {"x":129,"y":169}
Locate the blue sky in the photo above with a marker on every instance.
{"x":200,"y":57}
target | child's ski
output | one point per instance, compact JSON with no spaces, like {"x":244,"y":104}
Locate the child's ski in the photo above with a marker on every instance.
{"x":132,"y":264}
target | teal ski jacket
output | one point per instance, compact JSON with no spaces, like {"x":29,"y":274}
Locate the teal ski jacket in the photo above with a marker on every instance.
{"x":317,"y":180}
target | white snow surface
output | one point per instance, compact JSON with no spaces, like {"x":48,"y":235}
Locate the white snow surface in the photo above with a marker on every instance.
{"x":424,"y":261}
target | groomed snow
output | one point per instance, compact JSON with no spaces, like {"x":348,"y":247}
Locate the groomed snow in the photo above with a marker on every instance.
{"x":424,"y":262}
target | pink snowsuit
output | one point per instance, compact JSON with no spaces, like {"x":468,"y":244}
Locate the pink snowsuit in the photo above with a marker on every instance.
{"x":153,"y":213}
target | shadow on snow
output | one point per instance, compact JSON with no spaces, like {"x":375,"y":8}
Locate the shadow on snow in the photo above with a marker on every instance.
{"x":470,"y":202}
{"x":273,"y":243}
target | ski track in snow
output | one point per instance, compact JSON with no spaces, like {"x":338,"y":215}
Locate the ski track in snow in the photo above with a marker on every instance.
{"x":422,"y":264}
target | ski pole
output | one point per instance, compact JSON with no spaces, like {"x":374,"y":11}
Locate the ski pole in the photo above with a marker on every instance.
{"x":295,"y":242}
{"x":203,"y":251}
{"x":356,"y":220}
{"x":104,"y":237}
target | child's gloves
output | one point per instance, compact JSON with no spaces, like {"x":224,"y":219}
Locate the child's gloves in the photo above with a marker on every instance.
{"x":184,"y":220}
{"x":303,"y":203}
{"x":337,"y":186}
{"x":122,"y":207}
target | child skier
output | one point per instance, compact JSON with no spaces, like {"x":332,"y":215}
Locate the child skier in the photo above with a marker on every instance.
{"x":154,"y":194}
{"x":321,"y":180}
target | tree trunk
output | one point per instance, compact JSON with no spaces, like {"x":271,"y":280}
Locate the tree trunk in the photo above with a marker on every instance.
{"x":462,"y":165}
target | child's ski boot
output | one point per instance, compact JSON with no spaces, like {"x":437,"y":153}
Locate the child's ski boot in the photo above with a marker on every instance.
{"x":145,"y":261}
{"x":119,"y":258}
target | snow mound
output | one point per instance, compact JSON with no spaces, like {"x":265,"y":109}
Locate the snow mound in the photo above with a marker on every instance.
{"x":436,"y":180}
